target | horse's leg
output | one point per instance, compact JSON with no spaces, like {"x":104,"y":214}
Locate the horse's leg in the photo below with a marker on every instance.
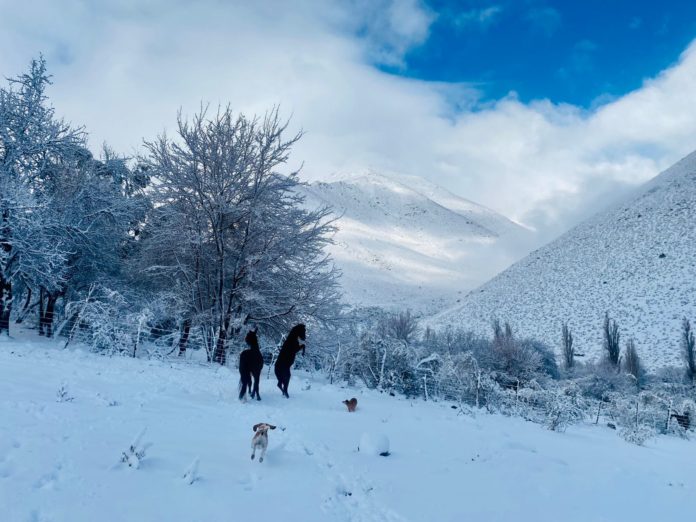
{"x":286,"y":384}
{"x":257,"y":378}
{"x":242,"y":389}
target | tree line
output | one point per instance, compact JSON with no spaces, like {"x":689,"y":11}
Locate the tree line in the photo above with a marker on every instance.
{"x":201,"y":234}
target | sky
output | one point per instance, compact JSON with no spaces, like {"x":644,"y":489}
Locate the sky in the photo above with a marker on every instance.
{"x":544,"y":111}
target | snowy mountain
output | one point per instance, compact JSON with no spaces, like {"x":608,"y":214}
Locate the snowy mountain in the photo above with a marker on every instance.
{"x":636,"y":260}
{"x":403,"y":242}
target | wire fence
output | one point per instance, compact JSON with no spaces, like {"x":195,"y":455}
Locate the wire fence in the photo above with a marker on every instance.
{"x":666,"y":409}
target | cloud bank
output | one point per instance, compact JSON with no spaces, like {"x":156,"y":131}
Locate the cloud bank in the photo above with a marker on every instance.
{"x":124,"y":69}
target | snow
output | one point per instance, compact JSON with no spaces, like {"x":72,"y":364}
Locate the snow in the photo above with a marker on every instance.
{"x":635,"y":260}
{"x":374,"y":444}
{"x":404,"y":242}
{"x":61,"y":461}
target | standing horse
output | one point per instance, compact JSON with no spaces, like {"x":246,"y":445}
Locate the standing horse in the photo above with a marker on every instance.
{"x":286,"y":357}
{"x":250,"y":365}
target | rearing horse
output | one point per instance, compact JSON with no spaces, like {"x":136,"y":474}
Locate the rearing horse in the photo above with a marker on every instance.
{"x":286,"y":357}
{"x":250,"y":365}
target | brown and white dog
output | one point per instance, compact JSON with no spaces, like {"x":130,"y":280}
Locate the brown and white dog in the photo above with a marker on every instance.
{"x":351,"y":404}
{"x":260,"y":439}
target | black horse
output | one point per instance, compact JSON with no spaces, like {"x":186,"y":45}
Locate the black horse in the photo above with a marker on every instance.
{"x":286,"y":357}
{"x":250,"y":365}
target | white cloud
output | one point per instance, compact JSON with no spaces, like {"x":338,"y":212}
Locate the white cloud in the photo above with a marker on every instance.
{"x":124,"y":70}
{"x":482,"y":17}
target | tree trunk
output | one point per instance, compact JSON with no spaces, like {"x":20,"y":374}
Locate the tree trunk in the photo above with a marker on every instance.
{"x":220,"y":355}
{"x":42,"y":312}
{"x":5,"y":304}
{"x":49,"y":314}
{"x":184,"y":336}
{"x":25,"y":308}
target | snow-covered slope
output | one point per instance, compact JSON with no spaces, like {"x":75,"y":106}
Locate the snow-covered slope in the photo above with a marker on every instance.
{"x":60,"y":453}
{"x":636,"y":260}
{"x":405,"y":242}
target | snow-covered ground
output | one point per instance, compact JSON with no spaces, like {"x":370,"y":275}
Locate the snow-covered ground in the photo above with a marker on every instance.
{"x":59,"y":456}
{"x":403,"y":242}
{"x":636,"y":260}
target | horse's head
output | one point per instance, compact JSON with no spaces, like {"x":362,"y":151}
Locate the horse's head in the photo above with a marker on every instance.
{"x":301,"y":331}
{"x":251,"y":338}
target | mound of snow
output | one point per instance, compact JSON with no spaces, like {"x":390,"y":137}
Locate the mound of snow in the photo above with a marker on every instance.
{"x":376,"y":444}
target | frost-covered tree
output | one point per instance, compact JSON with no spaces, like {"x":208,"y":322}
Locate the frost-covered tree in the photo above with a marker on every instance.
{"x":612,"y":337}
{"x":567,"y":346}
{"x":632,"y":361}
{"x":689,"y":349}
{"x":97,"y":232}
{"x":402,"y":326}
{"x":32,"y":142}
{"x":231,"y":233}
{"x":516,"y":360}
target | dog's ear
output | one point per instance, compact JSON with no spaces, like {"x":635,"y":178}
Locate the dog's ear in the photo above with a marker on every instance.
{"x":257,"y":425}
{"x":271,"y":426}
{"x":256,"y":328}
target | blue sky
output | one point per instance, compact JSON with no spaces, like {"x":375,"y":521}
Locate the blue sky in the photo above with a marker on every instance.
{"x":581,"y":52}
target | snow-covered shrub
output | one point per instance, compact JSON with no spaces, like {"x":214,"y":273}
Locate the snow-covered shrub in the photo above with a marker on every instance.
{"x":563,"y":407}
{"x":402,"y":326}
{"x":517,"y":359}
{"x":637,"y":434}
{"x":191,"y":474}
{"x":63,"y":395}
{"x":136,"y":451}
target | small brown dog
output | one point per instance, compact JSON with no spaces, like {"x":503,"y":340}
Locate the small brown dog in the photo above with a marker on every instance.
{"x":351,"y":404}
{"x":260,"y":439}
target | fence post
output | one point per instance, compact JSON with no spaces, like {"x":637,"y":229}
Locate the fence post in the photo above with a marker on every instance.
{"x":478,"y":387}
{"x":669,"y":414}
{"x":425,"y":386}
{"x":137,"y":336}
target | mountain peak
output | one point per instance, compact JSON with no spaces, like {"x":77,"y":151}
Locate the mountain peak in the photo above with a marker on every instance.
{"x":406,"y":242}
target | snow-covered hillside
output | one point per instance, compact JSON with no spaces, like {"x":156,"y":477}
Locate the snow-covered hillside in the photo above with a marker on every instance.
{"x":67,"y":416}
{"x":636,"y":260}
{"x":404,"y":242}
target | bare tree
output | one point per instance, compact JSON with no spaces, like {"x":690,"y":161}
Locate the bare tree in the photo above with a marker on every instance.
{"x":612,"y":337}
{"x":403,"y":326}
{"x":567,"y":347}
{"x":516,"y":359}
{"x":689,"y":349}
